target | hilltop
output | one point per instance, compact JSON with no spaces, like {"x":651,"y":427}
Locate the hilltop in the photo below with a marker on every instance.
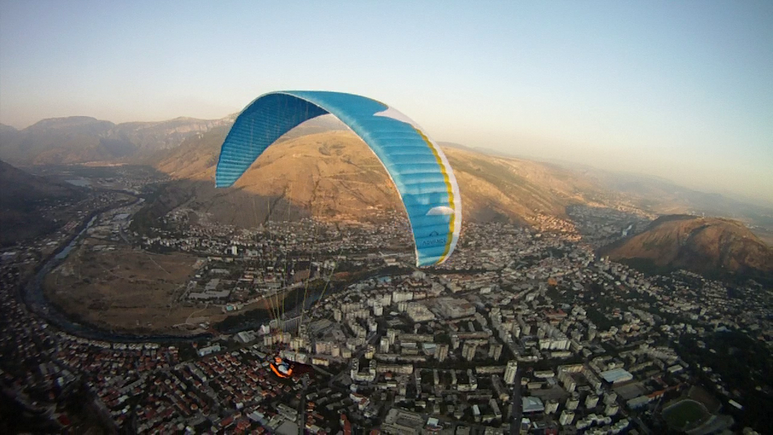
{"x":711,"y":246}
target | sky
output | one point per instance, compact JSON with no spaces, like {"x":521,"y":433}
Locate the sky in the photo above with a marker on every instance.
{"x":679,"y":89}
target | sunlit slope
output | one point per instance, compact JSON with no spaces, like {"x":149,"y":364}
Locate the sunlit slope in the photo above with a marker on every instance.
{"x":497,"y":188}
{"x":334,"y":174}
{"x":703,"y":245}
{"x":330,"y":174}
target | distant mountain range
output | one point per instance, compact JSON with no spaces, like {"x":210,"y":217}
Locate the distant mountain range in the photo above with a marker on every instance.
{"x":665,"y":197}
{"x":81,"y":139}
{"x":322,"y":169}
{"x":718,"y":247}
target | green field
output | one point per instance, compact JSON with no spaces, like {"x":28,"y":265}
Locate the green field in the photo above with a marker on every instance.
{"x":684,"y":413}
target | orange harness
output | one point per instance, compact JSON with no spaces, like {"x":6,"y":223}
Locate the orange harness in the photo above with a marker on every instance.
{"x":279,"y":373}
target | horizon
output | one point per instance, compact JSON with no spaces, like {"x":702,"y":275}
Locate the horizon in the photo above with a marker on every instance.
{"x":681,"y":92}
{"x":573,"y":165}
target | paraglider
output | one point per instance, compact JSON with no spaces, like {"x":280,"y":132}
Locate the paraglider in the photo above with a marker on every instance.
{"x":281,"y":368}
{"x":287,"y":369}
{"x":416,"y":165}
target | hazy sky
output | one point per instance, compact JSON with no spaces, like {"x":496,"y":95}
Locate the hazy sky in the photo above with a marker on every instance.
{"x":679,"y":89}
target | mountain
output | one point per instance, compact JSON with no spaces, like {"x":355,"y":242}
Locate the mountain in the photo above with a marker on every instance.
{"x":7,"y":129}
{"x":81,"y":139}
{"x":164,"y":134}
{"x":24,"y":199}
{"x":334,"y":174}
{"x":710,"y":246}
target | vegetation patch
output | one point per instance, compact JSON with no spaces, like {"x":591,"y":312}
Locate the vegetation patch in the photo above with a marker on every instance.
{"x":685,"y":414}
{"x":125,"y":290}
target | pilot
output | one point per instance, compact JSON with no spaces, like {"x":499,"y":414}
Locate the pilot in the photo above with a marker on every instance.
{"x":281,"y":368}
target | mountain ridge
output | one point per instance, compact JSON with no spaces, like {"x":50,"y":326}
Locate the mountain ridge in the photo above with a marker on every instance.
{"x":82,"y":139}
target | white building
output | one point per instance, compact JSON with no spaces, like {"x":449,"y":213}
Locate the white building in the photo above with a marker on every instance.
{"x":510,"y":372}
{"x":566,"y":418}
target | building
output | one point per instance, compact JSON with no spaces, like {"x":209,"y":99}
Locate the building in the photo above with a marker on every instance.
{"x":495,"y":351}
{"x":616,"y":376}
{"x":419,"y":313}
{"x":511,"y":371}
{"x":544,"y":374}
{"x":454,"y":308}
{"x":246,"y":336}
{"x":209,"y":349}
{"x":492,"y":403}
{"x":210,"y":294}
{"x":610,"y":397}
{"x":468,"y":351}
{"x":566,"y":418}
{"x":573,"y":402}
{"x":532,"y":404}
{"x":500,"y":388}
{"x":441,"y":352}
{"x":638,"y":402}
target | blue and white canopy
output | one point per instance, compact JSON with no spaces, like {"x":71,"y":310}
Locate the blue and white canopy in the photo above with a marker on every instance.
{"x":416,"y":165}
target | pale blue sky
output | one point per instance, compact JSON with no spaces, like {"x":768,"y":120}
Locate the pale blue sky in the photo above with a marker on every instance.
{"x":682,"y":90}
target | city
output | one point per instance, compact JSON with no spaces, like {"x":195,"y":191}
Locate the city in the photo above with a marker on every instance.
{"x":523,"y":327}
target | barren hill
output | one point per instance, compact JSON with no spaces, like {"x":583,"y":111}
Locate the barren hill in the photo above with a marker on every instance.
{"x":711,"y":246}
{"x":334,"y":174}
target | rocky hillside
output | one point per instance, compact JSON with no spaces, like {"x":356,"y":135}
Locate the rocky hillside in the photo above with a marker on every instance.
{"x":704,"y":245}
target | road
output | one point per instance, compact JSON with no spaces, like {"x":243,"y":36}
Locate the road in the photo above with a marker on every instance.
{"x":516,"y":408}
{"x":302,"y":407}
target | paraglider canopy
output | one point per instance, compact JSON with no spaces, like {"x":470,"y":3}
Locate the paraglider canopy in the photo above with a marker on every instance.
{"x":417,"y":166}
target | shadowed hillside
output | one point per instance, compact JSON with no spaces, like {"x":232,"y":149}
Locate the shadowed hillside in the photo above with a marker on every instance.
{"x":21,"y":198}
